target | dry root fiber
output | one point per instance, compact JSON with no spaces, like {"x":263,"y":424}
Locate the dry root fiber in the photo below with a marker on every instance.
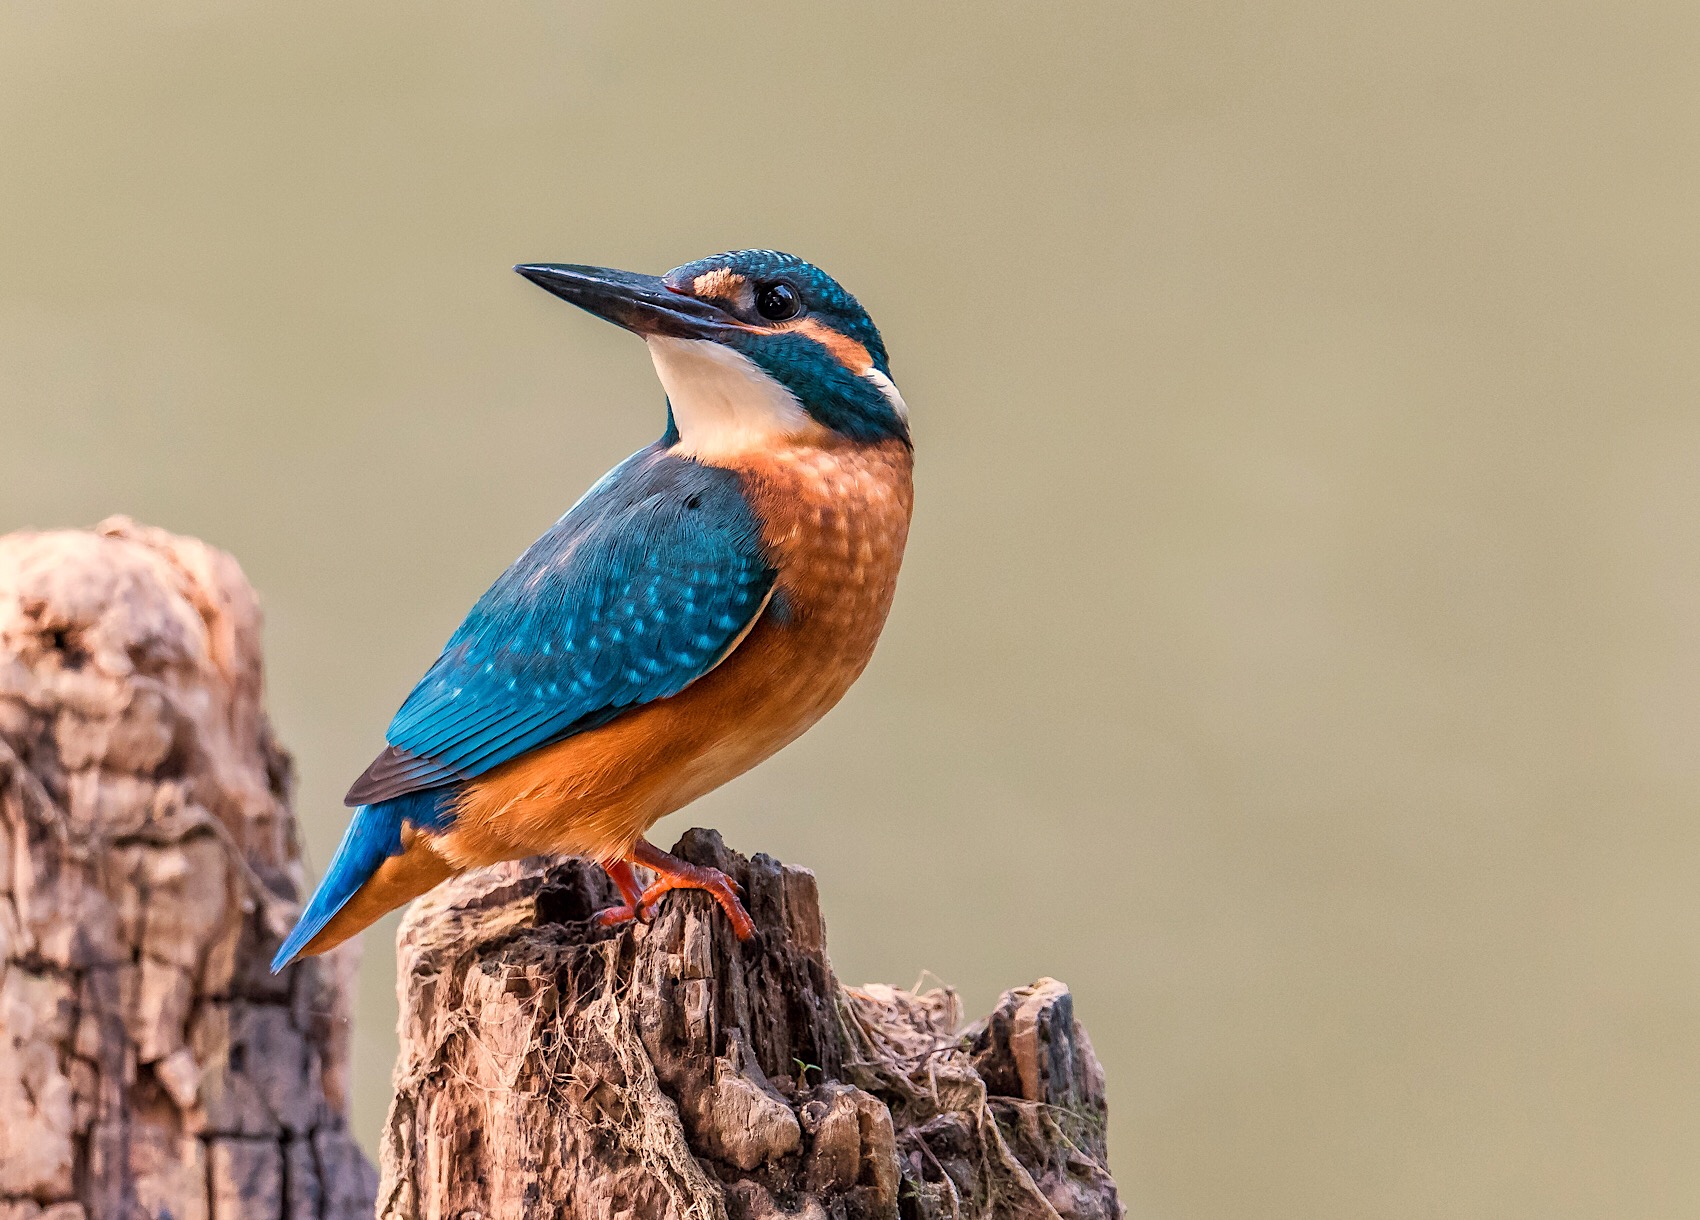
{"x":150,"y":1066}
{"x":550,"y":1067}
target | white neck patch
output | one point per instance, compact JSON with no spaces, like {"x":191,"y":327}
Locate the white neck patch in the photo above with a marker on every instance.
{"x":723,"y":402}
{"x":889,"y":389}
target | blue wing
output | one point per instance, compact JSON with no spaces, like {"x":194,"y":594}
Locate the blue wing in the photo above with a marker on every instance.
{"x":638,"y":591}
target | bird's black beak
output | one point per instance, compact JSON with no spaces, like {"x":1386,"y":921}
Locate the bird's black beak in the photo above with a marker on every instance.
{"x":643,"y":304}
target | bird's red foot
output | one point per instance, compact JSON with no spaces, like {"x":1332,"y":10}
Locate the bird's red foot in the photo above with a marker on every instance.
{"x":713,"y":882}
{"x":630,"y":890}
{"x":672,"y":873}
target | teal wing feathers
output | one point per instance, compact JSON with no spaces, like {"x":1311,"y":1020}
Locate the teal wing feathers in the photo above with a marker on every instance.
{"x":638,"y":591}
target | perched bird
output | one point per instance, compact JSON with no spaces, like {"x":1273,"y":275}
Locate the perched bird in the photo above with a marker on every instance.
{"x":703,"y":604}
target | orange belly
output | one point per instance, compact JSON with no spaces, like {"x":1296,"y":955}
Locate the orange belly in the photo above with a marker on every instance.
{"x":834,"y":522}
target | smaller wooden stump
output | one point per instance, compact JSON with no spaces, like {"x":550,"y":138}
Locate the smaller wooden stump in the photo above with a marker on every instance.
{"x":150,"y":1063}
{"x":552,"y":1067}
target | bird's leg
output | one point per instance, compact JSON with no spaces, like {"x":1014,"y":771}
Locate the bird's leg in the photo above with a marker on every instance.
{"x":672,"y":873}
{"x":626,"y":881}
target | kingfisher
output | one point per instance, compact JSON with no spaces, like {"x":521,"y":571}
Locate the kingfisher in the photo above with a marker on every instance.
{"x":701,"y":606}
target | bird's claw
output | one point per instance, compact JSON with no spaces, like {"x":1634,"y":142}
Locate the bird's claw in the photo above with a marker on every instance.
{"x":716,"y":884}
{"x":671,"y":873}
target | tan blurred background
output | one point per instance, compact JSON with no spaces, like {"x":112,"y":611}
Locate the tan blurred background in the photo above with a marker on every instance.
{"x":1299,"y":645}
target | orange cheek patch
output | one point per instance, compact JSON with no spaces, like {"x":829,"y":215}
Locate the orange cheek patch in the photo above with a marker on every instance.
{"x":719,"y":284}
{"x":851,"y":354}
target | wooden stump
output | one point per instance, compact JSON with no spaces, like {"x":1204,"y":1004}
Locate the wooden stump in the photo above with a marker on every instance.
{"x":150,"y":1065}
{"x":551,"y":1067}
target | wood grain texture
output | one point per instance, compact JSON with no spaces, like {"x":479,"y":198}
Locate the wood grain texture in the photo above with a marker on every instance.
{"x":550,"y":1067}
{"x":150,"y":1065}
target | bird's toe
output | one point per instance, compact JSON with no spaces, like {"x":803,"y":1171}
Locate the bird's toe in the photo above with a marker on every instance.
{"x":615,"y":915}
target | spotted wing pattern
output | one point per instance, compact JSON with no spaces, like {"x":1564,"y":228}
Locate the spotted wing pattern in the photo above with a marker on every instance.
{"x":638,"y":591}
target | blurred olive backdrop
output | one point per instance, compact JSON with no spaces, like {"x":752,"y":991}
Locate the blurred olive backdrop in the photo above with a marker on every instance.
{"x":1297,"y":651}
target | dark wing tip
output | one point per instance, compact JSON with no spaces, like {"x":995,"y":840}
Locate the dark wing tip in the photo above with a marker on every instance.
{"x":395,"y":773}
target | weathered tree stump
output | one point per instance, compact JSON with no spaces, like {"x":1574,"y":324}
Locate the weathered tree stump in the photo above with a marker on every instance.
{"x":150,"y":1065}
{"x":550,"y":1067}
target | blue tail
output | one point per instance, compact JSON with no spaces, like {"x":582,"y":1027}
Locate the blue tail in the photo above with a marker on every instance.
{"x":373,"y":836}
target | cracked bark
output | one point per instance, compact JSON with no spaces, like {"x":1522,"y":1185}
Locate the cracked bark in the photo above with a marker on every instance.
{"x":551,"y":1067}
{"x":149,"y":1063}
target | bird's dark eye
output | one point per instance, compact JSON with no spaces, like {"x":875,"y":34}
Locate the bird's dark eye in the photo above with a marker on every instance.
{"x":778,"y":302}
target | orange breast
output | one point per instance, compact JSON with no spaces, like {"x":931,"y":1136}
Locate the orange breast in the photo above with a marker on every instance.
{"x":835,"y":518}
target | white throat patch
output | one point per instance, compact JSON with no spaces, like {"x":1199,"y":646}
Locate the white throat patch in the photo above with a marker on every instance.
{"x":723,"y":402}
